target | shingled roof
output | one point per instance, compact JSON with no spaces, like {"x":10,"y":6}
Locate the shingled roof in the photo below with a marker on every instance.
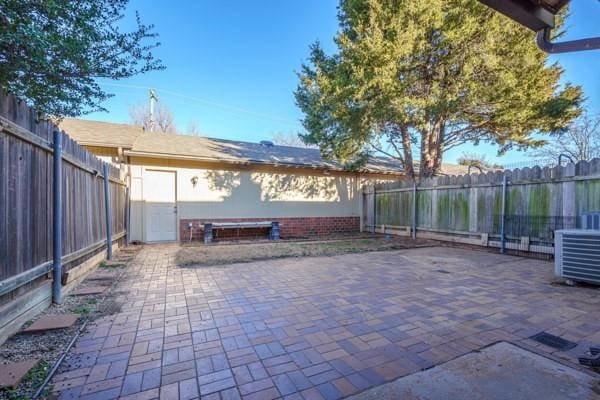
{"x":104,"y":134}
{"x":136,"y":142}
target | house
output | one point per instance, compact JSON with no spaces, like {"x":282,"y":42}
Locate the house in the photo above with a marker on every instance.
{"x":179,"y":182}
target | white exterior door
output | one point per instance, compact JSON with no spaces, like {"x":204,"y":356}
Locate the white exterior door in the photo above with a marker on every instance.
{"x":161,"y":207}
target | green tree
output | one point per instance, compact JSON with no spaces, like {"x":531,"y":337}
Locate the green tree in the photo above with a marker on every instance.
{"x":426,"y":76}
{"x":52,"y":51}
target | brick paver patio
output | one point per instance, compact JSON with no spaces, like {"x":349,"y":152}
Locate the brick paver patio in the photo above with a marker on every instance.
{"x":312,"y":328}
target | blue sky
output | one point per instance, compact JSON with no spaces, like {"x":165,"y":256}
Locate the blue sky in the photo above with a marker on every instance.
{"x":231,"y":65}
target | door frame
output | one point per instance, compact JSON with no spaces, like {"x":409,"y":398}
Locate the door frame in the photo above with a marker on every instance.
{"x":145,"y":222}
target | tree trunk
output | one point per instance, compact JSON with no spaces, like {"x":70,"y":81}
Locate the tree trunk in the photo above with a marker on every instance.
{"x":432,"y":142}
{"x":409,"y":166}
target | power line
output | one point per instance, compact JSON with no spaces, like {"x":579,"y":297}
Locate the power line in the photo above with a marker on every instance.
{"x":231,"y":108}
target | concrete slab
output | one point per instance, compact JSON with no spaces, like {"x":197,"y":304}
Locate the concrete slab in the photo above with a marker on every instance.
{"x":502,"y":371}
{"x":50,"y":322}
{"x":87,"y":290}
{"x":11,"y":374}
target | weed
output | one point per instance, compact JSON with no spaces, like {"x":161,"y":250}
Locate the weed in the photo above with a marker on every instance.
{"x":81,"y":310}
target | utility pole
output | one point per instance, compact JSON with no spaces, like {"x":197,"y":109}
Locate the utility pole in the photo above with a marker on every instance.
{"x":152,"y":98}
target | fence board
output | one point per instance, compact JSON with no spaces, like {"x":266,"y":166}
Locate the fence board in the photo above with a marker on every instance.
{"x":26,"y":168}
{"x":538,"y":201}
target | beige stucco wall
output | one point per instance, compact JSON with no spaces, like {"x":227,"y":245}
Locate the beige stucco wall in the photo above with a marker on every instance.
{"x":106,"y":154}
{"x":224,"y":191}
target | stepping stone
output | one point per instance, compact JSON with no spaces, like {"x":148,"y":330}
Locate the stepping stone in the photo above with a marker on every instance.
{"x":83,"y":291}
{"x":11,"y":374}
{"x":51,"y":322}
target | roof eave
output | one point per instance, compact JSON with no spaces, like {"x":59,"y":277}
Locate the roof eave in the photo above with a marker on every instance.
{"x":138,"y":153}
{"x":104,"y":144}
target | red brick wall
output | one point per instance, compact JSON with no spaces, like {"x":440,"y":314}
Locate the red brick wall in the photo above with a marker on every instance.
{"x":289,"y":227}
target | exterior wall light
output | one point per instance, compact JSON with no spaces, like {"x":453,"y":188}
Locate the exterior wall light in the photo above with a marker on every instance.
{"x":194,"y":180}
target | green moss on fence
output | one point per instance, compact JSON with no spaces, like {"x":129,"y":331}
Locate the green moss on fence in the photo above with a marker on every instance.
{"x":587,"y":196}
{"x":539,"y":201}
{"x":514,"y":200}
{"x":424,"y":208}
{"x":461,"y":209}
{"x":443,"y":210}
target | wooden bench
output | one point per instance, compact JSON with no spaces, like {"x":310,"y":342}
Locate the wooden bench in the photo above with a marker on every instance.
{"x":209,"y":226}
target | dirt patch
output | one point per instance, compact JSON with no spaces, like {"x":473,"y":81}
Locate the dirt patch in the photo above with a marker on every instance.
{"x":48,"y":346}
{"x":218,"y":254}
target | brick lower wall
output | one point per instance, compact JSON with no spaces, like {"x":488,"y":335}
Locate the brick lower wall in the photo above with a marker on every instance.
{"x":299,"y":227}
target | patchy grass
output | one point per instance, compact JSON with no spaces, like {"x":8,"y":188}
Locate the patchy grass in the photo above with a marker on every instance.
{"x":111,"y":264}
{"x":81,"y":310}
{"x":32,"y":381}
{"x":217,"y":254}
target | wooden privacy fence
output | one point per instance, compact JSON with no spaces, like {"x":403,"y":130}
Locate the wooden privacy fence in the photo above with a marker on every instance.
{"x":479,"y":209}
{"x":27,"y":208}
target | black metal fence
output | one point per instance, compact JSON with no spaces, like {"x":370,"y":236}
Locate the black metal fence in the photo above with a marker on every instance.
{"x":535,"y":227}
{"x":527,"y":234}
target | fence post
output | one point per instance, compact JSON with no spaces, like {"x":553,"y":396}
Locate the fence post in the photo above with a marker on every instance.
{"x":127,"y":216}
{"x":503,"y":216}
{"x":568,"y":192}
{"x":374,"y":210}
{"x":107,"y":213}
{"x":414,"y":211}
{"x":57,"y":220}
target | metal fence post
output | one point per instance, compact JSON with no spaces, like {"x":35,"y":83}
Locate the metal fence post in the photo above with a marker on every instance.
{"x":414,"y":211}
{"x":374,"y":210}
{"x":107,"y":208}
{"x":127,"y":216}
{"x":57,"y":220}
{"x":503,"y":216}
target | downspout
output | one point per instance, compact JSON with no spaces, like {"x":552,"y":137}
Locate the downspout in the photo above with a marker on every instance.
{"x":544,"y":42}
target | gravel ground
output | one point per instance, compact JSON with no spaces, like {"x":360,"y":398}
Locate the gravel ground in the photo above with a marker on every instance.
{"x":48,"y":346}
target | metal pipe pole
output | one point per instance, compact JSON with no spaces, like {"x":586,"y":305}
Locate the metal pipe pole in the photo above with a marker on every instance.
{"x":57,"y":221}
{"x":127,"y":216}
{"x":107,"y":213}
{"x":503,"y":216}
{"x":374,"y":210}
{"x":414,"y":211}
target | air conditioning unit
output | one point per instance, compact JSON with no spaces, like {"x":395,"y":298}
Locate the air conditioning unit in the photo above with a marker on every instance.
{"x":577,"y":254}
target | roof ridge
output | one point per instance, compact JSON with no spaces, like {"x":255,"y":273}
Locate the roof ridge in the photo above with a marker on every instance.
{"x":142,"y":131}
{"x":130,"y":136}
